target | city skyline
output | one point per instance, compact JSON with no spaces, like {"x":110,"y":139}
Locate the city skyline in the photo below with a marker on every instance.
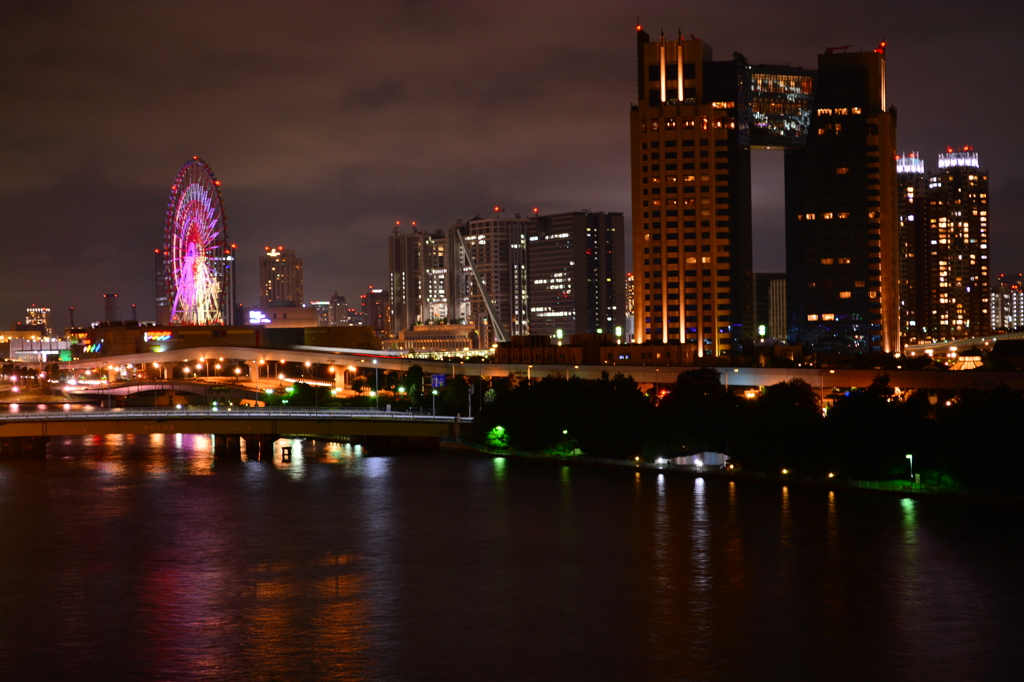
{"x":324,"y":148}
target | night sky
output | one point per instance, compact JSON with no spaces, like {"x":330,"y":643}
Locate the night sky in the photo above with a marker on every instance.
{"x":328,"y":121}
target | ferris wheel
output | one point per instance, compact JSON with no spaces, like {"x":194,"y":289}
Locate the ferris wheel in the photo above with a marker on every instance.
{"x":197,"y":256}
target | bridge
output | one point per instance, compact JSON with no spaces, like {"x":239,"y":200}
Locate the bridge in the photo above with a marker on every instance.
{"x":26,"y":434}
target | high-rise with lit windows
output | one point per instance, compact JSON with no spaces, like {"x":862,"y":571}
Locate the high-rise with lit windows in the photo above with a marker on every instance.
{"x":418,"y":268}
{"x":1007,"y":303}
{"x":913,"y":245}
{"x":690,"y":162}
{"x":958,"y":273}
{"x":281,"y":277}
{"x":841,"y":213}
{"x":575,"y":269}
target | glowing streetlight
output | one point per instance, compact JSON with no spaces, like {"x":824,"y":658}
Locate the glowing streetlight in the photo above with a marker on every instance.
{"x":911,"y":458}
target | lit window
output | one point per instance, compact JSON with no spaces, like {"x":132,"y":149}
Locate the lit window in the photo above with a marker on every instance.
{"x":844,"y":261}
{"x":812,"y":318}
{"x":858,"y":283}
{"x":828,"y":316}
{"x":842,"y":171}
{"x":826,"y":216}
{"x":827,"y":261}
{"x":810,"y":216}
{"x":844,"y":216}
{"x":872,"y":294}
{"x":844,"y":294}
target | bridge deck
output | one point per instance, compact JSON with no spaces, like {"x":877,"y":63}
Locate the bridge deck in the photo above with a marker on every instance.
{"x":291,"y":422}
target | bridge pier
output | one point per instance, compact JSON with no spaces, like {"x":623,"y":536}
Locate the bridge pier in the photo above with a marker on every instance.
{"x":260,"y":447}
{"x":27,"y":447}
{"x":227,"y":447}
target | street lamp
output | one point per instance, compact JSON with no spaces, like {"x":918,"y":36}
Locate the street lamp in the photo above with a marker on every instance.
{"x":433,"y":401}
{"x":376,"y":386}
{"x":911,"y":458}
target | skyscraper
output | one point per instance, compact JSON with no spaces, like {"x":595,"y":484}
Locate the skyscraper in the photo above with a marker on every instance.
{"x":163,"y":303}
{"x":1007,"y":303}
{"x":576,"y":274}
{"x":418,"y":267}
{"x":376,"y":311}
{"x":913,"y":246}
{"x":958,"y":274}
{"x":841,"y":213}
{"x":280,"y":277}
{"x":690,"y":159}
{"x":497,"y":247}
{"x":38,"y":317}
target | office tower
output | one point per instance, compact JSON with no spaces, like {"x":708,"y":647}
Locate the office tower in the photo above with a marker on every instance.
{"x":913,"y":247}
{"x":690,"y":159}
{"x":323,"y":312}
{"x":575,"y":267}
{"x":1007,"y":303}
{"x":38,"y":317}
{"x":163,"y":303}
{"x":958,"y":275}
{"x":111,"y":312}
{"x":841,"y":214}
{"x":497,"y":248}
{"x":417,"y":264}
{"x":337,"y":311}
{"x":280,"y":277}
{"x":376,"y":311}
{"x":770,"y":305}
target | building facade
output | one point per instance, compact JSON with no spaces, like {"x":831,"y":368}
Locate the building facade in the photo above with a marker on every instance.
{"x":841,"y":213}
{"x":497,"y":247}
{"x":914,"y":248}
{"x":958,"y":275}
{"x":690,"y":169}
{"x":280,"y":277}
{"x":770,"y":305}
{"x":575,"y":267}
{"x":417,"y":265}
{"x":376,"y":311}
{"x":1007,"y":303}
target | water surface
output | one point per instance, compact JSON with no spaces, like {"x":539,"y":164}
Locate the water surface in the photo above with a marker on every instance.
{"x":139,"y":558}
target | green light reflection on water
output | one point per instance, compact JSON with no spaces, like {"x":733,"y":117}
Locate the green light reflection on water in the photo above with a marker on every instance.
{"x":499,"y":468}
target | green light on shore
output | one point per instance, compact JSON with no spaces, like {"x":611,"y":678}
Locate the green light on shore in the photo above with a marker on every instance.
{"x":497,"y":437}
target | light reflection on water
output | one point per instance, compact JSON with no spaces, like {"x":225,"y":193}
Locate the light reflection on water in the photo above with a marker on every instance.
{"x":143,"y":557}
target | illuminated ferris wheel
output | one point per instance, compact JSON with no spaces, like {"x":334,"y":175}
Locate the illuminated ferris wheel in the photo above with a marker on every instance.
{"x":198,"y":260}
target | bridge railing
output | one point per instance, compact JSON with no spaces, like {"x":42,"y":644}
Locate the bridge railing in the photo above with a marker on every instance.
{"x":227,"y":413}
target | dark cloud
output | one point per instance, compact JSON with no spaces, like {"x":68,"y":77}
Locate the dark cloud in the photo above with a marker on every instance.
{"x":327,"y":122}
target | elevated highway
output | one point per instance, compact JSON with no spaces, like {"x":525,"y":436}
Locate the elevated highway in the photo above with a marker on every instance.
{"x":645,"y":375}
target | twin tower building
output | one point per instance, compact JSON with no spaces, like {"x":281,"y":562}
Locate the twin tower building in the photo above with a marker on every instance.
{"x":866,"y":240}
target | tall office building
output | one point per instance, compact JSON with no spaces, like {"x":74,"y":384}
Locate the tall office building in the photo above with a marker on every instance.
{"x":417,"y":264}
{"x":958,"y":274}
{"x":376,"y":311}
{"x":1007,"y":303}
{"x":280,"y":277}
{"x":781,"y":99}
{"x":913,"y":247}
{"x":497,"y":247}
{"x":38,"y":317}
{"x":111,"y":310}
{"x":575,"y":267}
{"x":690,"y":159}
{"x":338,"y":312}
{"x":841,"y":213}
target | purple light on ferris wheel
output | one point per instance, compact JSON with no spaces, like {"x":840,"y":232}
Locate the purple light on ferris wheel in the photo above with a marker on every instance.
{"x":197,"y":261}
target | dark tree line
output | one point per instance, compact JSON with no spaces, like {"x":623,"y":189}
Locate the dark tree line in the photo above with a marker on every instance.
{"x":964,"y":438}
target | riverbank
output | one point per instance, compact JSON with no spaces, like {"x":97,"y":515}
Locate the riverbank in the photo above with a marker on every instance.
{"x":898,"y":488}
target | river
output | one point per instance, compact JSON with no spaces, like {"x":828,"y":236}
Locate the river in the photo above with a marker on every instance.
{"x":140,"y":558}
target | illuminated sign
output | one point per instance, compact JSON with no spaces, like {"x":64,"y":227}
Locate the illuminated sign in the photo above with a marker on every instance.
{"x":157,"y":336}
{"x":257,"y":317}
{"x":92,"y":348}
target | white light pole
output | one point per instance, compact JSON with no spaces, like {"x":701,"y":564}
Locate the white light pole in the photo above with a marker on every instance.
{"x":911,"y":458}
{"x":376,"y":386}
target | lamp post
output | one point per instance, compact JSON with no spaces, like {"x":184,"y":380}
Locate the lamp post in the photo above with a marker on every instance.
{"x":433,"y":402}
{"x":376,"y":386}
{"x":911,"y":458}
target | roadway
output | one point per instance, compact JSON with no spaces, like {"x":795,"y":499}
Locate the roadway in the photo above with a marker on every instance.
{"x":644,"y":375}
